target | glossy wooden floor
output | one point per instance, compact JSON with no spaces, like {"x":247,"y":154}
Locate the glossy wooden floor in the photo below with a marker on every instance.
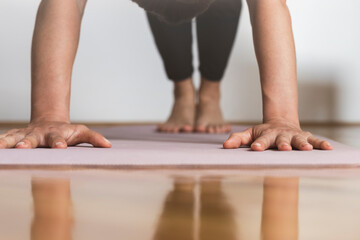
{"x":171,"y":204}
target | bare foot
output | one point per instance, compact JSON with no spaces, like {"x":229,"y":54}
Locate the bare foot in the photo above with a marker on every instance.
{"x":209,"y":118}
{"x":183,"y":112}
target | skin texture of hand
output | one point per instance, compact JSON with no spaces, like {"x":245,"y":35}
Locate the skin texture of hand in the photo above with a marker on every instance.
{"x":278,"y":134}
{"x":51,"y":134}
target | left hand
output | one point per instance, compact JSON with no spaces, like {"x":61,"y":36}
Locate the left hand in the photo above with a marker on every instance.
{"x":280,"y":134}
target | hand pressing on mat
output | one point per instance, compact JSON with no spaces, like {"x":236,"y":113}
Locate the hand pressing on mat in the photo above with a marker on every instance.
{"x":53,"y":135}
{"x":281,"y":135}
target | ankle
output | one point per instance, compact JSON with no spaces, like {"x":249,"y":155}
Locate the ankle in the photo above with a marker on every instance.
{"x":209,"y":91}
{"x":184,"y":90}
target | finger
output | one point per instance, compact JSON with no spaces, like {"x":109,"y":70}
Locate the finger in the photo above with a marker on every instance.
{"x":263,"y":142}
{"x":55,"y":140}
{"x":29,"y":141}
{"x":283,"y":142}
{"x":94,"y":138}
{"x":300,"y":142}
{"x":10,"y":140}
{"x":98,"y":140}
{"x":237,"y":140}
{"x":319,"y":144}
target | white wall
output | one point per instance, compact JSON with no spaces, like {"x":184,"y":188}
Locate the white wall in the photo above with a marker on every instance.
{"x":118,"y":74}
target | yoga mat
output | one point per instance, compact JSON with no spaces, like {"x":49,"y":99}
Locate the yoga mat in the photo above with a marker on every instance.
{"x":142,"y":146}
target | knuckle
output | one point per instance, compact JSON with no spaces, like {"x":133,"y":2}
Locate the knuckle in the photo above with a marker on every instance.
{"x":323,"y":142}
{"x":79,"y":130}
{"x":53,"y":129}
{"x":36,"y":129}
{"x":298,"y":138}
{"x":21,"y":130}
{"x":267,"y":131}
{"x":26,"y":141}
{"x":82,"y":128}
{"x":235,"y":135}
{"x":308,"y":134}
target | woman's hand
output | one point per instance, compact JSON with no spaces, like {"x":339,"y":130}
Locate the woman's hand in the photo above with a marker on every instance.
{"x":279,"y":134}
{"x":53,"y":135}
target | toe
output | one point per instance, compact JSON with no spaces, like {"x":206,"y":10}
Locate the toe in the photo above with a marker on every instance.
{"x":200,"y":129}
{"x":219,"y":129}
{"x":165,"y":129}
{"x":175,"y":130}
{"x":227,"y":128}
{"x":161,"y":127}
{"x":211,"y":129}
{"x":187,"y":128}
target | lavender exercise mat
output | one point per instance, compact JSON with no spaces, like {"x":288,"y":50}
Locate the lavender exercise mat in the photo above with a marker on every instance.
{"x":143,"y":146}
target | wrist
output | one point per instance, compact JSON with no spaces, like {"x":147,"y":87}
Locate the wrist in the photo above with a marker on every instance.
{"x":283,"y":119}
{"x":277,"y":112}
{"x":49,"y":117}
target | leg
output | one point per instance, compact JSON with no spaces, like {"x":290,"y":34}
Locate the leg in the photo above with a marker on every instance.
{"x":216,"y":30}
{"x":174,"y":45}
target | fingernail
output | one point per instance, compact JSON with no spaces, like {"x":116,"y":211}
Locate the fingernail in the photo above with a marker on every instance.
{"x":107,"y":140}
{"x":20,"y":144}
{"x":284,"y":144}
{"x":58,"y":143}
{"x":257,"y":144}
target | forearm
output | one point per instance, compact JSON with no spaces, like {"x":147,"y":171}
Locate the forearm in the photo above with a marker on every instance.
{"x":275,"y":52}
{"x":54,"y":47}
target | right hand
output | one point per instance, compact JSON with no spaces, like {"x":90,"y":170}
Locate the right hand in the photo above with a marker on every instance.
{"x":52,"y":135}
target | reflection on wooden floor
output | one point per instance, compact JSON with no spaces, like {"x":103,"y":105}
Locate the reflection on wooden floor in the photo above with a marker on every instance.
{"x":171,"y":205}
{"x":192,"y":210}
{"x":52,"y":209}
{"x":280,"y":209}
{"x":196,"y":213}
